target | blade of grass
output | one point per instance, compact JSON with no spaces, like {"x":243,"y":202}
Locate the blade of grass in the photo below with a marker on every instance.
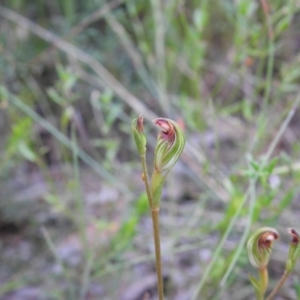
{"x":160,"y":68}
{"x":133,"y":54}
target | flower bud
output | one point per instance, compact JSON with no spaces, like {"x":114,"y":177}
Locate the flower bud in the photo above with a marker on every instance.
{"x":259,"y":246}
{"x":169,"y":146}
{"x":138,"y":134}
{"x":294,"y":250}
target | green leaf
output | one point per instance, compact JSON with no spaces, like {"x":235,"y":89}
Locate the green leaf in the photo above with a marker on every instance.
{"x":26,"y":152}
{"x":256,"y":285}
{"x":54,"y":96}
{"x":286,"y":200}
{"x":271,"y":165}
{"x":255,"y":282}
{"x":142,"y":205}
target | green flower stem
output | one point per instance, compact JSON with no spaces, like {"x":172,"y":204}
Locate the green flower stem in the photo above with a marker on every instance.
{"x":157,"y":183}
{"x":146,"y":180}
{"x":156,"y":234}
{"x":279,"y":285}
{"x":155,"y":222}
{"x":264,"y":279}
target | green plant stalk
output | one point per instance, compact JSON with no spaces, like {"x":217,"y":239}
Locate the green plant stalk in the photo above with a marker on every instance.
{"x":156,"y":233}
{"x":264,"y":279}
{"x":145,"y":178}
{"x":279,"y":285}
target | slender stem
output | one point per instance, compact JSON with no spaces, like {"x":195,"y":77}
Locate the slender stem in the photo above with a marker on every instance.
{"x":264,"y":279}
{"x":156,"y":234}
{"x":146,"y":180}
{"x":155,"y":221}
{"x":279,"y":285}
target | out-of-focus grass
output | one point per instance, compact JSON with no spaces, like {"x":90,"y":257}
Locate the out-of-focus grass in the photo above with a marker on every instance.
{"x":228,"y":71}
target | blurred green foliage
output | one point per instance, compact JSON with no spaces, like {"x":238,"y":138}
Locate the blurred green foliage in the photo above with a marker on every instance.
{"x":228,"y":71}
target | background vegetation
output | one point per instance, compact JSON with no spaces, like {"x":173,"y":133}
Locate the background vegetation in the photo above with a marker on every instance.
{"x":73,"y":213}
